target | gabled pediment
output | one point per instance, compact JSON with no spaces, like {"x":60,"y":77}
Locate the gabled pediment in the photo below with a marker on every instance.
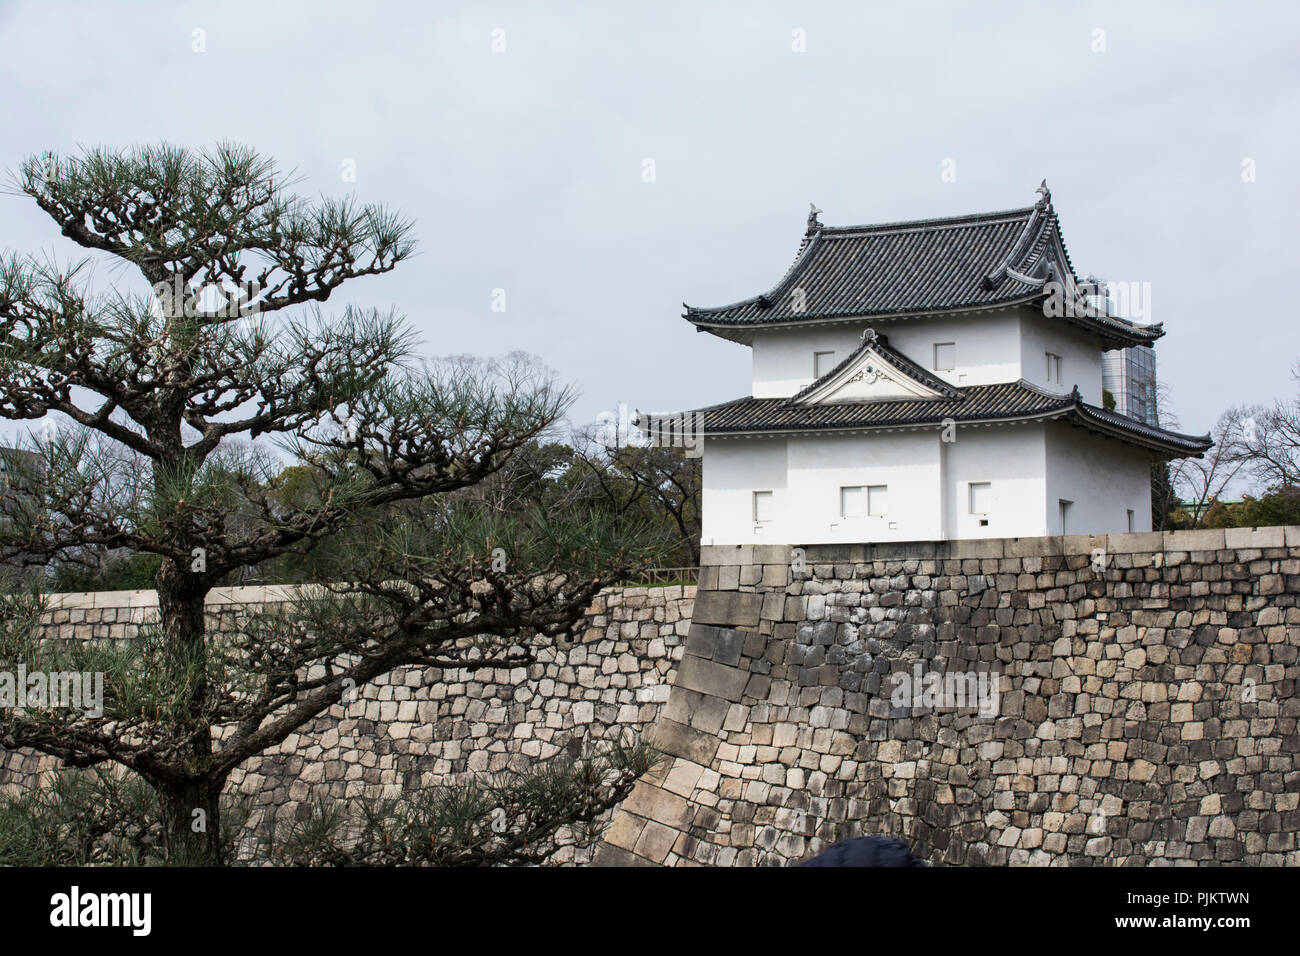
{"x":874,"y":372}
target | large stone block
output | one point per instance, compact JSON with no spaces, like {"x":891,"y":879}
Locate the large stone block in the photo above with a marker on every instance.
{"x":775,"y":575}
{"x":773,"y":606}
{"x":1030,"y":547}
{"x":772,"y":554}
{"x":655,"y":803}
{"x":835,"y":553}
{"x":624,"y":830}
{"x":609,"y":855}
{"x":1204,"y":539}
{"x":702,"y":640}
{"x":704,"y":712}
{"x":656,"y":841}
{"x":726,"y":554}
{"x":1082,"y":543}
{"x":978,"y":548}
{"x":709,"y":677}
{"x":1274,"y":537}
{"x":678,"y":740}
{"x":727,"y":608}
{"x":900,"y":551}
{"x":729,"y":644}
{"x":1137,"y":542}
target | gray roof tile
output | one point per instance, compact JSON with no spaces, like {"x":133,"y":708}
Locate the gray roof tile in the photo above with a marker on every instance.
{"x":1005,"y":402}
{"x":932,"y":265}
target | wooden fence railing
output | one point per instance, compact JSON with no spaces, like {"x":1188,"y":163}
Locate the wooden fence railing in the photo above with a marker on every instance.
{"x":664,"y":576}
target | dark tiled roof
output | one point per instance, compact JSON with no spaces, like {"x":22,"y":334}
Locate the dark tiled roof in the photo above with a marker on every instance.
{"x":927,"y":266}
{"x":1005,"y":402}
{"x":1115,"y":422}
{"x":891,"y":356}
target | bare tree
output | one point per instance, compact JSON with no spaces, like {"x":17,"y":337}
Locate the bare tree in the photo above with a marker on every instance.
{"x":658,"y":484}
{"x":1201,"y":481}
{"x":1270,"y":440}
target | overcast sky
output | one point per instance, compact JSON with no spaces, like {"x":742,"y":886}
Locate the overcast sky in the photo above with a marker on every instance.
{"x":525,"y":169}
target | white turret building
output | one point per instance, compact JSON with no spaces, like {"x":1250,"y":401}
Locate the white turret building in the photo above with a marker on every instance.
{"x":928,"y":380}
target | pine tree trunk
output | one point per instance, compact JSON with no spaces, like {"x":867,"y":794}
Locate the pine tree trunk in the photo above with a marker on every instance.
{"x":188,"y":836}
{"x":191,"y":821}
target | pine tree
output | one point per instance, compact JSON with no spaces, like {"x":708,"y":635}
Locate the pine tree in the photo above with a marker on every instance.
{"x":168,"y":386}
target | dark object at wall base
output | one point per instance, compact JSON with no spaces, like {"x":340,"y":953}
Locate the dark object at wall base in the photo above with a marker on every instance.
{"x":866,"y":851}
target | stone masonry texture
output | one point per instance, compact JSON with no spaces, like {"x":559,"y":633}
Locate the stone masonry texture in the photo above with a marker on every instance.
{"x":419,"y":727}
{"x":1145,"y":707}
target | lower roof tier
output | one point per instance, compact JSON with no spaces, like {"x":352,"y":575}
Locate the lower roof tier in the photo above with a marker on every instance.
{"x":1006,"y":402}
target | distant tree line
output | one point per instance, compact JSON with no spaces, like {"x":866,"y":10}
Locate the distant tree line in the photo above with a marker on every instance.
{"x":1252,"y":443}
{"x":633,"y":485}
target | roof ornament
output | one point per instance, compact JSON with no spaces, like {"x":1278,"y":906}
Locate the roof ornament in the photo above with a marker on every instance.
{"x":869,"y":336}
{"x":1028,"y":280}
{"x":814,"y":224}
{"x":1044,"y":195}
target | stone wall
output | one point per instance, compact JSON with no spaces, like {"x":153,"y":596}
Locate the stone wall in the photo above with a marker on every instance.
{"x":1146,"y":710}
{"x":420,"y":727}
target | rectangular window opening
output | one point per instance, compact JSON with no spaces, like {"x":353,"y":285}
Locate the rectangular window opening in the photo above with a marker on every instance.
{"x":1065,"y":514}
{"x":852,"y":503}
{"x":981,"y":497}
{"x":823,"y":362}
{"x":945,"y":356}
{"x":762,"y":506}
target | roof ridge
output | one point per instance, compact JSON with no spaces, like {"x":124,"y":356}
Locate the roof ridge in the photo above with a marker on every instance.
{"x":910,"y":225}
{"x":1025,"y":383}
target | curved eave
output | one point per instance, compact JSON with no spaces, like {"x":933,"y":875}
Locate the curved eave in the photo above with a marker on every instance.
{"x":887,"y":427}
{"x":1161,"y":443}
{"x":1170,"y":444}
{"x":742,"y":330}
{"x":1115,"y":332}
{"x":791,"y":274}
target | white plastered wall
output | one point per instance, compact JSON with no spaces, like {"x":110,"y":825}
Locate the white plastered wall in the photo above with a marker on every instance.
{"x":1102,"y":477}
{"x":1080,"y":355}
{"x":734,"y":468}
{"x":928,"y":482}
{"x":988,"y":350}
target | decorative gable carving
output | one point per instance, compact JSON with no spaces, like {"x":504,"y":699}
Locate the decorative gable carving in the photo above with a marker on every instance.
{"x":869,"y":374}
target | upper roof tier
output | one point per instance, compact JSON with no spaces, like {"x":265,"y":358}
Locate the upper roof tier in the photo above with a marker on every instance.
{"x":926,"y":267}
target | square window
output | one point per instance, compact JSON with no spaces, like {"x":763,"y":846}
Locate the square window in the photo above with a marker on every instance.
{"x":762,"y":506}
{"x":945,"y":356}
{"x":981,"y":497}
{"x":878,"y":500}
{"x":823,"y":362}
